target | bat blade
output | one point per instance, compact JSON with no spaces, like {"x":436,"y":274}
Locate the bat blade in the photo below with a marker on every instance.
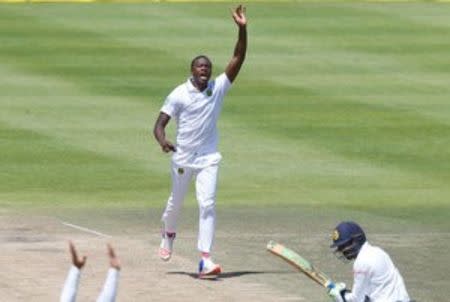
{"x":299,"y":262}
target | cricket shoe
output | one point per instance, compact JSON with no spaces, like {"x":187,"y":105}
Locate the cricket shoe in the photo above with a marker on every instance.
{"x":207,"y":269}
{"x":166,"y":246}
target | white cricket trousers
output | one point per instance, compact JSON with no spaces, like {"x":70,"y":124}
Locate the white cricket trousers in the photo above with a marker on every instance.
{"x":205,"y":187}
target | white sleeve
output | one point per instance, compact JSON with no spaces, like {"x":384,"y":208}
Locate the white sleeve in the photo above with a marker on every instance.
{"x":109,"y":291}
{"x":361,"y":280}
{"x":69,"y":292}
{"x":223,"y":84}
{"x":170,"y":106}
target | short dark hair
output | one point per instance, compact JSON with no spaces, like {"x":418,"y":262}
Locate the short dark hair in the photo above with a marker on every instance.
{"x":198,"y":58}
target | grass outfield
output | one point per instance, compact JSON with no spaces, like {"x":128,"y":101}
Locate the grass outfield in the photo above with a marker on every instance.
{"x":340,"y":111}
{"x":342,"y":105}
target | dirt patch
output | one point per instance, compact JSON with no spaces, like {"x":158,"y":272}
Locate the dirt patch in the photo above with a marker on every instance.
{"x":35,"y":262}
{"x":35,"y":258}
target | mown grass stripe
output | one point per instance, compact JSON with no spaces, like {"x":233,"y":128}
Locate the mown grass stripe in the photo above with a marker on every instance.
{"x":320,"y":114}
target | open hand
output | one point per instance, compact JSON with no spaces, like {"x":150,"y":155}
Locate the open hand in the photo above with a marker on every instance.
{"x":239,"y":16}
{"x":76,"y":261}
{"x":114,"y":261}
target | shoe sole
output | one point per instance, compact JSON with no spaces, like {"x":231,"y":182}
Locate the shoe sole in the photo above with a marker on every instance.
{"x":212,"y":274}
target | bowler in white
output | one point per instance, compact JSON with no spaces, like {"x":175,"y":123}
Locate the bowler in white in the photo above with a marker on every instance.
{"x":195,"y":106}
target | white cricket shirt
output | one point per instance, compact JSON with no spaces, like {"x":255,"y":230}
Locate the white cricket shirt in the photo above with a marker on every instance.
{"x":376,"y":277}
{"x":196,"y":113}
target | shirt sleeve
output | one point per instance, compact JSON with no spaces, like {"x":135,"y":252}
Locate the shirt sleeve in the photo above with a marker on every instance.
{"x":222,"y":84}
{"x":109,"y":291}
{"x":361,"y":280}
{"x":170,"y":106}
{"x":69,"y":292}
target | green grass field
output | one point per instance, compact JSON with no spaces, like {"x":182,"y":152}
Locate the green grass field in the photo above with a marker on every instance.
{"x":339,"y":105}
{"x":341,"y":108}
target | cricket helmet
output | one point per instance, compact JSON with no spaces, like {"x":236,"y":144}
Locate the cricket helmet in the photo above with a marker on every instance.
{"x":348,"y":238}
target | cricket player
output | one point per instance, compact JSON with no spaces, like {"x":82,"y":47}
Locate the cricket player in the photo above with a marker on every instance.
{"x":195,"y":105}
{"x":376,"y":279}
{"x":109,"y":291}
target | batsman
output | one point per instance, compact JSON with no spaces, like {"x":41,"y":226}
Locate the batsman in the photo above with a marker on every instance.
{"x":376,"y":279}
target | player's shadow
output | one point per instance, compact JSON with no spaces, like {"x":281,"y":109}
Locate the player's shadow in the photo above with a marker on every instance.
{"x":227,"y":275}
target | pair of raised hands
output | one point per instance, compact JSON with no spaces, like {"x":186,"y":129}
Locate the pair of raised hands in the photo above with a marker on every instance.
{"x":79,"y":262}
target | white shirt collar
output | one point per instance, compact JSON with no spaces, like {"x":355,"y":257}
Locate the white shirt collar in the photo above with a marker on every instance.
{"x":192,"y":89}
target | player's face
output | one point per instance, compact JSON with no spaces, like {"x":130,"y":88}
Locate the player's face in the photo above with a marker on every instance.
{"x":347,"y":251}
{"x":201,"y":72}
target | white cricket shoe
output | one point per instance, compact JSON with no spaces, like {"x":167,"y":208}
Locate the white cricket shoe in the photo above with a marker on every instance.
{"x":207,"y":269}
{"x":166,"y":246}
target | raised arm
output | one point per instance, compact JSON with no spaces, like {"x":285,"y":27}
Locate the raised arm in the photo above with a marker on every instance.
{"x":240,"y":49}
{"x":69,"y":291}
{"x":160,"y":133}
{"x":109,"y":291}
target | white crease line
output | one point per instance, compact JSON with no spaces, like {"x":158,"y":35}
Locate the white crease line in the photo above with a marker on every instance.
{"x":85,"y":229}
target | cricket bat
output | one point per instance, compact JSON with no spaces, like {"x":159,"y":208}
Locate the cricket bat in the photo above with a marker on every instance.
{"x":299,"y":262}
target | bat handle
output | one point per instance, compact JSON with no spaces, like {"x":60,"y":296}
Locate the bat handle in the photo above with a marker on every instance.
{"x":330,"y":285}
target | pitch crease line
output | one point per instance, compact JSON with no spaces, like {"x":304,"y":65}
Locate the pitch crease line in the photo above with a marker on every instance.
{"x":85,"y":229}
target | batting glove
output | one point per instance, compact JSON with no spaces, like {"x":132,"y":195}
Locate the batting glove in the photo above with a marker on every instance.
{"x":337,"y":291}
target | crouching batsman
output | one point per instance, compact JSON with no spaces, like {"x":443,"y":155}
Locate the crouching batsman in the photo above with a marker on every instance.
{"x":376,"y":279}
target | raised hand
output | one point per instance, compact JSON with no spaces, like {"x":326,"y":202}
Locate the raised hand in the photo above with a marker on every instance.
{"x":239,"y":16}
{"x":114,"y":261}
{"x":76,"y":261}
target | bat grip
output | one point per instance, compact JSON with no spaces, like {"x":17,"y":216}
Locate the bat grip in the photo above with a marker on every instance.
{"x":330,"y":285}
